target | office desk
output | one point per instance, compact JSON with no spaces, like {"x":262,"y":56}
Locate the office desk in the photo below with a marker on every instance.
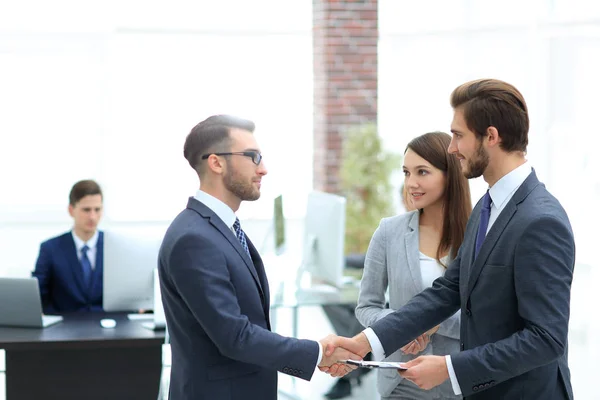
{"x":78,"y":359}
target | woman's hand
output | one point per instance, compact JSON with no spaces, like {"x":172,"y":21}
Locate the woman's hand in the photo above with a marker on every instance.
{"x":417,"y":345}
{"x":420,"y":343}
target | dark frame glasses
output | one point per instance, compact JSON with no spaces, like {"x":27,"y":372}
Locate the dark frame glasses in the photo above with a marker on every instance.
{"x":254,"y":155}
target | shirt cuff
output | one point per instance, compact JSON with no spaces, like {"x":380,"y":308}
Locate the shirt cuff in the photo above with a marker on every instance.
{"x":320,"y":358}
{"x":455,"y":385}
{"x":376,"y":347}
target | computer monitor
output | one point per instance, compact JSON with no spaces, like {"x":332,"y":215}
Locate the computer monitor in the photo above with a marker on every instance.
{"x":159,"y":322}
{"x":324,"y":231}
{"x":130,"y":257}
{"x":279,"y":225}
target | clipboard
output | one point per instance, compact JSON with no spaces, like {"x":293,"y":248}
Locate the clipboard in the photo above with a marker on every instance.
{"x":375,"y":364}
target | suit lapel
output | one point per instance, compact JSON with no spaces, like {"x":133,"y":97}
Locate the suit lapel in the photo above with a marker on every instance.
{"x":497,"y":229}
{"x":98,"y":271}
{"x":260,"y":269}
{"x":74,"y":264}
{"x":489,"y":243}
{"x":230,"y":236}
{"x":411,"y":242}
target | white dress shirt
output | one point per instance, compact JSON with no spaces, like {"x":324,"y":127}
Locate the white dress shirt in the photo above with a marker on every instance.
{"x":91,"y":244}
{"x":500,"y":193}
{"x":227,"y":215}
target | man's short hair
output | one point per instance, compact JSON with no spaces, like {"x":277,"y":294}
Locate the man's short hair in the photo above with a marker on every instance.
{"x":83,"y":188}
{"x":211,"y":136}
{"x":491,"y":102}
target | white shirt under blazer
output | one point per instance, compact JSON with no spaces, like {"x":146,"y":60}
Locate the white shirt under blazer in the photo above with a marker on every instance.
{"x":393,"y":262}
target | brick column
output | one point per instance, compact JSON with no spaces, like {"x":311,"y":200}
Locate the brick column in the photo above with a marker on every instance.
{"x":345,"y":35}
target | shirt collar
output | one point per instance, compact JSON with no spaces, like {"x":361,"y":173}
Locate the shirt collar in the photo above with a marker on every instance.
{"x":79,"y":243}
{"x":509,"y":183}
{"x":222,"y":210}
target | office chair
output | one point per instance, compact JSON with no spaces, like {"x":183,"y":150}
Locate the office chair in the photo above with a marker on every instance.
{"x":165,"y":373}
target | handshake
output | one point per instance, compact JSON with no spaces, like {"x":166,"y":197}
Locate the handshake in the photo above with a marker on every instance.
{"x":336,"y":348}
{"x":426,"y":372}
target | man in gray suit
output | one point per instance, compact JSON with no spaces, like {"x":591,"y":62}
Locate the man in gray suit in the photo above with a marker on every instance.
{"x":512,"y":276}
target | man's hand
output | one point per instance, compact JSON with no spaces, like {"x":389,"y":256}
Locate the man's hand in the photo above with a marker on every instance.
{"x":426,"y":372}
{"x":359,"y":345}
{"x":334,"y":351}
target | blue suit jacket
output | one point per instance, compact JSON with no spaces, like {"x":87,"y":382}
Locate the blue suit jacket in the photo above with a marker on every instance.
{"x":514,"y":299}
{"x":216,"y":302}
{"x":60,"y":276}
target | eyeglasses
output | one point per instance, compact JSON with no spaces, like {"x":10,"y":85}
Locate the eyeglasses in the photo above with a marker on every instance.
{"x":254,"y":155}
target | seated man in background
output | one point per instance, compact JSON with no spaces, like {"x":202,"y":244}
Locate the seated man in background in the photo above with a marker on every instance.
{"x":69,"y":266}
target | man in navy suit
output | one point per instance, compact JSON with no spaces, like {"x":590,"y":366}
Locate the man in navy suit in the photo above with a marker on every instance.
{"x":69,"y":266}
{"x":213,"y":284}
{"x":512,"y":276}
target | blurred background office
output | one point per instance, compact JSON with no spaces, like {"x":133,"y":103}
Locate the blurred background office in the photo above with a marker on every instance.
{"x":108,"y":90}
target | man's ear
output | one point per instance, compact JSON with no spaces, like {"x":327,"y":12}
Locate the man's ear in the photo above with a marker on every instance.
{"x":214,"y":164}
{"x":71,"y":209}
{"x":492,"y":138}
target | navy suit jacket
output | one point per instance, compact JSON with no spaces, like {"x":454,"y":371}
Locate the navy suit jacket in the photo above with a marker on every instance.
{"x":60,"y":276}
{"x":514,"y":299}
{"x":216,"y":302}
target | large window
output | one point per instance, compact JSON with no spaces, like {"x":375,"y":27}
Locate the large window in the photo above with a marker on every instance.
{"x":550,"y":50}
{"x":110,"y":93}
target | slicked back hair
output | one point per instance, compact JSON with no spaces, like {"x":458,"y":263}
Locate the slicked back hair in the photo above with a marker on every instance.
{"x":491,"y":102}
{"x":211,"y":136}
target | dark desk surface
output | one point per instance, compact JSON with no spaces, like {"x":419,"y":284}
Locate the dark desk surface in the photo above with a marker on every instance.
{"x":81,"y":331}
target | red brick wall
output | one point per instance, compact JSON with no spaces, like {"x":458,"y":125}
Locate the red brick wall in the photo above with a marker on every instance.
{"x":345,"y":35}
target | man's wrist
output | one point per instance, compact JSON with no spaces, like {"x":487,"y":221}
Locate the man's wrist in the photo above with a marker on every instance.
{"x":364,"y":342}
{"x":321,"y":353}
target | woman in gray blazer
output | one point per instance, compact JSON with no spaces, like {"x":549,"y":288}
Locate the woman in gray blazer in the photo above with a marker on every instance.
{"x":409,"y":251}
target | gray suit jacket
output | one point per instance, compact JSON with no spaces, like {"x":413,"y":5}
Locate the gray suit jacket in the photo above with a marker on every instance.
{"x":514,"y":299}
{"x":392,"y":262}
{"x":216,"y":302}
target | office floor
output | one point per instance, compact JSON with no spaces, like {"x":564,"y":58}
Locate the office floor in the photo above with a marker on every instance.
{"x":584,"y":346}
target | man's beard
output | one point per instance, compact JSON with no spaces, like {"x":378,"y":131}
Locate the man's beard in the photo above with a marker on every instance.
{"x":478,"y":164}
{"x":242,"y":189}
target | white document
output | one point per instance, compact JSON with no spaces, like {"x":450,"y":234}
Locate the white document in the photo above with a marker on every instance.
{"x":376,"y":364}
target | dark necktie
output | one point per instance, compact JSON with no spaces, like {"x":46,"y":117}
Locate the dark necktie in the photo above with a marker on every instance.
{"x":484,"y":220}
{"x":86,"y":266}
{"x":241,"y":236}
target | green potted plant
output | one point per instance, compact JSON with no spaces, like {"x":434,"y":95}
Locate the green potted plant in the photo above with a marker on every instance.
{"x":365,"y":180}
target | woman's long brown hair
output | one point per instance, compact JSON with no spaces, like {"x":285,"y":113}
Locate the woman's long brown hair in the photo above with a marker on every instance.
{"x":433,"y":147}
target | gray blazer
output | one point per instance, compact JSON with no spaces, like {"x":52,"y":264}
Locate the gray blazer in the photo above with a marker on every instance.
{"x":514,"y":299}
{"x":392,"y":262}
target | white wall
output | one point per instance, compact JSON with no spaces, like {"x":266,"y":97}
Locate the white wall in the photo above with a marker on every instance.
{"x":109,"y":91}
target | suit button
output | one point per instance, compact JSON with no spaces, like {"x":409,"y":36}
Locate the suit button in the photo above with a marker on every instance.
{"x":462,"y":346}
{"x":468,"y":312}
{"x":286,"y":370}
{"x":300,"y":372}
{"x":295,"y":372}
{"x":475,"y":388}
{"x":481,"y":386}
